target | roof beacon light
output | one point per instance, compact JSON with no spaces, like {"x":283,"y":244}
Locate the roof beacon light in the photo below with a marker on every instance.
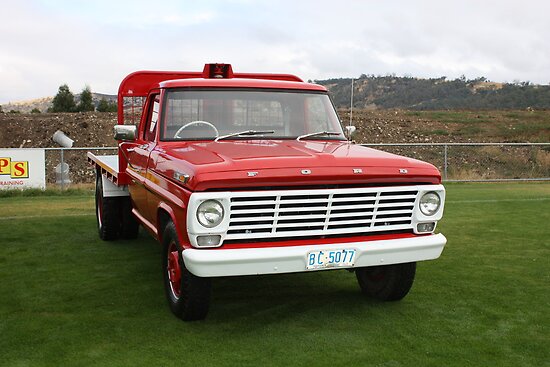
{"x":217,"y":71}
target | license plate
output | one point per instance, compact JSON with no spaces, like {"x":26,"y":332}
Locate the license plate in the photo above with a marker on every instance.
{"x":330,"y":258}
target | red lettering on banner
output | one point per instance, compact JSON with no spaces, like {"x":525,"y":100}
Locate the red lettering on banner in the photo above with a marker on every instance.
{"x":20,"y":170}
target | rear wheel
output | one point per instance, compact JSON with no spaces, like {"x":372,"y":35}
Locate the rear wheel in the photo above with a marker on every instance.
{"x":386,"y":282}
{"x":188,"y":295}
{"x":129,"y":226}
{"x":107,"y":212}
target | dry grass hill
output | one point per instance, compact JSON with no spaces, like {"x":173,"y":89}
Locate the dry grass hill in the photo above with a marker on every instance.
{"x":374,"y":126}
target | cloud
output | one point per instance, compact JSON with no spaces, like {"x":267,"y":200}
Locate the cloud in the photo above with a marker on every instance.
{"x":45,"y":43}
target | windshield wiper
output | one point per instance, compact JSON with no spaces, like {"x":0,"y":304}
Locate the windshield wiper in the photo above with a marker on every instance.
{"x":317,"y":134}
{"x":246,"y":132}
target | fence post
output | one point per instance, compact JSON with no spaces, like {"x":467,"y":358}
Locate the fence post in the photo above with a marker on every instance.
{"x":445,"y":163}
{"x":62,"y":174}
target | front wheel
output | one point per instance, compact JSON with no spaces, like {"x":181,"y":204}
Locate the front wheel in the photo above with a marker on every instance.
{"x":386,"y":282}
{"x":188,"y":295}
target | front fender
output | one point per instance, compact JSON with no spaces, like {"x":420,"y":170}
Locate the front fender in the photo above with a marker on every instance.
{"x":166,"y":213}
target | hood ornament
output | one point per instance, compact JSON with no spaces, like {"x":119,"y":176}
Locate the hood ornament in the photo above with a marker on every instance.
{"x":357,"y":170}
{"x":403,"y":171}
{"x":252,"y":174}
{"x":306,"y":172}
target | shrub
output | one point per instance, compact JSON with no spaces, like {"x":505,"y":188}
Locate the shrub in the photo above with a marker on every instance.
{"x":105,"y":106}
{"x":63,"y":100}
{"x":86,"y":103}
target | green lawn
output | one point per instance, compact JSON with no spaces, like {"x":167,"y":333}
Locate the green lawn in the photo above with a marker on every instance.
{"x":69,"y":299}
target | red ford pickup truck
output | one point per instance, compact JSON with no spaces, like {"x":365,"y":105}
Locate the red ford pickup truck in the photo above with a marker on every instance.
{"x":243,"y":174}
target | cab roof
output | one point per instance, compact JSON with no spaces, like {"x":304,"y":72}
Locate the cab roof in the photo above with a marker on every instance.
{"x":240,"y":83}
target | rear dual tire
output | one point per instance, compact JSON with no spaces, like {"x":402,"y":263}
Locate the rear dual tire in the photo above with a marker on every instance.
{"x":114,"y":216}
{"x":129,"y":226}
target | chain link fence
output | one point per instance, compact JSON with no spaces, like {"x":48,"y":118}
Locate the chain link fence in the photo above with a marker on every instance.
{"x":458,"y":162}
{"x":69,"y":166}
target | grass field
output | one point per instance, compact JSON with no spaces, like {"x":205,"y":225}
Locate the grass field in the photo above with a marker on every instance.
{"x":69,"y":299}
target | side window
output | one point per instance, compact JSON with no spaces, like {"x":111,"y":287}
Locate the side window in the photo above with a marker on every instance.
{"x":151,"y":128}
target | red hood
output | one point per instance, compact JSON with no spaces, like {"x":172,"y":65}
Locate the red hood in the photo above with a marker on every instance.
{"x":252,"y":163}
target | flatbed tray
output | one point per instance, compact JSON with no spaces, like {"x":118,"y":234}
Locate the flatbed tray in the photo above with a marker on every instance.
{"x":107,"y":164}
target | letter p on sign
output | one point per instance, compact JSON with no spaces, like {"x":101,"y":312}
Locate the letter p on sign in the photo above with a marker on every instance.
{"x":5,"y":166}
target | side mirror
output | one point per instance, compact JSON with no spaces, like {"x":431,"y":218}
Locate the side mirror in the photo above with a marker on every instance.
{"x":351,"y":130}
{"x":125,"y":132}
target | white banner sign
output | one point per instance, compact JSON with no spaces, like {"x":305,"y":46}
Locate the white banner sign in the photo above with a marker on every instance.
{"x":22,"y":169}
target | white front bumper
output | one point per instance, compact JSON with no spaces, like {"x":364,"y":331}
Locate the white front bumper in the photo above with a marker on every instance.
{"x":292,"y":259}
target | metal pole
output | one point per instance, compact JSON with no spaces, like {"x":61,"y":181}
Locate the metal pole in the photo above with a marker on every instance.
{"x":351,"y":105}
{"x":445,"y":164}
{"x":62,"y":174}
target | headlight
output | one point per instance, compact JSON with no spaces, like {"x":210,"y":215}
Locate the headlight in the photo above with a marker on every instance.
{"x":210,"y":213}
{"x":430,"y":203}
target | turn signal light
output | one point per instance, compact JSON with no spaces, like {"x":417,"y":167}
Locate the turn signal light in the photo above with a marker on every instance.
{"x":425,"y":227}
{"x":208,"y":241}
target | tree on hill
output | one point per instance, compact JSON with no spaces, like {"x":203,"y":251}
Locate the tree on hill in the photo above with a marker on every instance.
{"x":105,"y":106}
{"x":63,"y":100}
{"x":436,"y":93}
{"x":1,"y":110}
{"x":86,"y":103}
{"x":35,"y":110}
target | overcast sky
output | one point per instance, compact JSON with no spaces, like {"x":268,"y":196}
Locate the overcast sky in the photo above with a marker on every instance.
{"x":44,"y":44}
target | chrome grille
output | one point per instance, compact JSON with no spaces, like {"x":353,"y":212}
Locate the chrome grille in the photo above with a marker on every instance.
{"x":320,"y":212}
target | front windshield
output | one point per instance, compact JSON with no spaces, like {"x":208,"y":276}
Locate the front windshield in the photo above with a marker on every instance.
{"x":271,"y":114}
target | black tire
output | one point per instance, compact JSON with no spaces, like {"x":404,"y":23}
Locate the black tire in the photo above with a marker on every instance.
{"x":188,"y":295}
{"x":107,"y":213}
{"x":129,"y":226}
{"x":386,"y":282}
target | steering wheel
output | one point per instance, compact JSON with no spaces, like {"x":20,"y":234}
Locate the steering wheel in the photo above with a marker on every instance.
{"x":198,"y":122}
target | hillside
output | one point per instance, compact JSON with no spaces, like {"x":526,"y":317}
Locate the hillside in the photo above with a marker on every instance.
{"x":384,"y":92}
{"x":392,"y":92}
{"x":94,"y":129}
{"x":374,"y":126}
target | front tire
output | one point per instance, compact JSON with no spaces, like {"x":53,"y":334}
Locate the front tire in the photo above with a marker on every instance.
{"x":386,"y":282}
{"x":188,"y":295}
